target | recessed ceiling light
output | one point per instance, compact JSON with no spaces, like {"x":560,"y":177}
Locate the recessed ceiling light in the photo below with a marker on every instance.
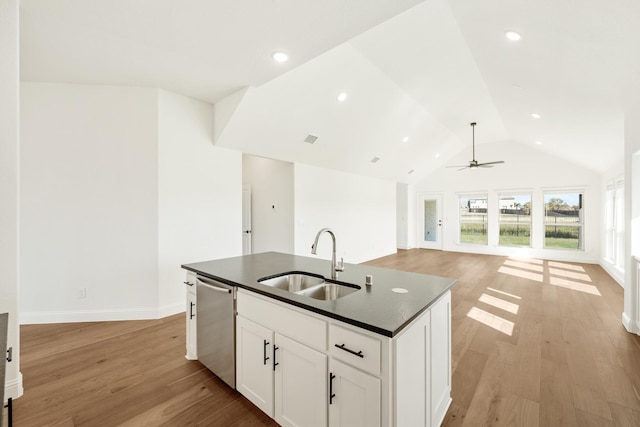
{"x":437,"y":155}
{"x":538,"y":143}
{"x":280,"y":56}
{"x":342,"y":97}
{"x":535,"y":115}
{"x":405,"y":139}
{"x":512,"y":35}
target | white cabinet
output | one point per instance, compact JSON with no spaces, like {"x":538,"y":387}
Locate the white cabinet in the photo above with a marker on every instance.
{"x":287,"y":380}
{"x":192,"y":330}
{"x":357,"y":377}
{"x":254,"y":363}
{"x":423,"y":367}
{"x":300,"y":384}
{"x":354,"y":397}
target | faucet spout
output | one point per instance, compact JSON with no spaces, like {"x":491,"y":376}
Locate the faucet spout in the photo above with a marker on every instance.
{"x":314,"y":248}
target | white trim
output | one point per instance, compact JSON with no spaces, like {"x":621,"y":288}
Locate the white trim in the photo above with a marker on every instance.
{"x":629,"y":325}
{"x":13,"y":388}
{"x":613,"y":271}
{"x":73,"y":316}
{"x":170,"y":309}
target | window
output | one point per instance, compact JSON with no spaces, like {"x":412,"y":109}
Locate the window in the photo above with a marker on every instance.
{"x":563,"y":222}
{"x":515,"y":220}
{"x":614,"y":223}
{"x":473,"y":219}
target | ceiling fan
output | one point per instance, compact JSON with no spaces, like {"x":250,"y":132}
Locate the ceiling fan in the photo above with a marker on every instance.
{"x":473,"y":164}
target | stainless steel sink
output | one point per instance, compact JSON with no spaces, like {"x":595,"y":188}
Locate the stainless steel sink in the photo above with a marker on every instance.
{"x":309,"y":285}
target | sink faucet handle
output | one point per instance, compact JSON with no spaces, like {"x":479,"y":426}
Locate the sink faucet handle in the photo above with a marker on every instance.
{"x":340,"y":266}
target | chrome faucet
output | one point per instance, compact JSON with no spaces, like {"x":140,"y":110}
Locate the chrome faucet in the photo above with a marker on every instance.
{"x":334,"y":267}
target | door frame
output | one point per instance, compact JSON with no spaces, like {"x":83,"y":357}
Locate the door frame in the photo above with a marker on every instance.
{"x":246,"y":220}
{"x":421,"y":198}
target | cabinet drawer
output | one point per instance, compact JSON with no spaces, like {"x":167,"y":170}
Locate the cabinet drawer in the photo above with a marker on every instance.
{"x":356,"y":349}
{"x":288,"y":322}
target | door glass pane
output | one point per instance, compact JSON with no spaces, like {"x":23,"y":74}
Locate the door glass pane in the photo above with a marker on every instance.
{"x":473,"y":220}
{"x":430,"y":221}
{"x":515,"y":220}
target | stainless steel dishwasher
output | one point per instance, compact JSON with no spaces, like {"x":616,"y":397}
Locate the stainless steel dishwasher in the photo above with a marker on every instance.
{"x":216,"y":314}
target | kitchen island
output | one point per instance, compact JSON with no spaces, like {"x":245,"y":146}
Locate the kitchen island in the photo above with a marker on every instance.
{"x":378,"y":356}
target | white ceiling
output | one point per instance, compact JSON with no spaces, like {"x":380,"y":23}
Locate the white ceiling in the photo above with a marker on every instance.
{"x":411,"y":68}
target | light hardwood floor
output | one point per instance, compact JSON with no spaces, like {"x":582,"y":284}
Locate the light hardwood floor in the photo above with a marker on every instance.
{"x":535,"y":343}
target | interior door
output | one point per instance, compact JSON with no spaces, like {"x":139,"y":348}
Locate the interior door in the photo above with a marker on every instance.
{"x":246,"y":219}
{"x":430,"y":221}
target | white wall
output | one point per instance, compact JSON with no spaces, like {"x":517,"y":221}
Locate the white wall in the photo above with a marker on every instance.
{"x":527,"y":170}
{"x":360,"y":210}
{"x":89,"y":201}
{"x":199,"y":195}
{"x":406,"y":215}
{"x":120,"y":186}
{"x":9,"y":188}
{"x":271,"y":203}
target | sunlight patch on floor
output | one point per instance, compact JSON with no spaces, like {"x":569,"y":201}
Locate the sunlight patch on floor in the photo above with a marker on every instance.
{"x":570,"y":274}
{"x":499,"y":303}
{"x":504,"y":293}
{"x":574,"y":286}
{"x":524,"y":265}
{"x":491,"y":320}
{"x":565,"y":266}
{"x":519,"y":273}
{"x":527,"y":260}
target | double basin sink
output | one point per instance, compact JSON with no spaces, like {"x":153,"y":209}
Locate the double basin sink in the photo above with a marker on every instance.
{"x":310,"y":285}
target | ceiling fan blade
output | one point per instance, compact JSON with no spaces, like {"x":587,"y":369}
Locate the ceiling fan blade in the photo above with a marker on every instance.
{"x":458,"y":166}
{"x":463,"y":168}
{"x":491,"y":163}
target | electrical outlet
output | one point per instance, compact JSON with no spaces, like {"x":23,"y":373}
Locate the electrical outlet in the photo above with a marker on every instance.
{"x":82,"y":293}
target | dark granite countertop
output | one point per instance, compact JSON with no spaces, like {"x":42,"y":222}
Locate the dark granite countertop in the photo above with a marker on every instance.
{"x":376,"y":308}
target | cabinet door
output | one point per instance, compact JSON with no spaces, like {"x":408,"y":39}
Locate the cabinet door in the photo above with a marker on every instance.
{"x":440,"y":358}
{"x":355,"y":397}
{"x":300,"y":384}
{"x":190,"y":311}
{"x":254,"y":363}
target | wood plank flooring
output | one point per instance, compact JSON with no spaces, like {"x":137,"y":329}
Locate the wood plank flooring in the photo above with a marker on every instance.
{"x":535,"y":343}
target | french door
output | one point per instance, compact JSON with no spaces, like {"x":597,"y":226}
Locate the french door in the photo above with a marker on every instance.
{"x":430,"y":221}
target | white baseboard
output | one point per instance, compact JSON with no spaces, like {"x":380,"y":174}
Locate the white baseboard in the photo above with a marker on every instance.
{"x":74,"y":316}
{"x":630,"y":325}
{"x":613,"y":271}
{"x":170,"y":309}
{"x":13,"y":388}
{"x":405,"y":247}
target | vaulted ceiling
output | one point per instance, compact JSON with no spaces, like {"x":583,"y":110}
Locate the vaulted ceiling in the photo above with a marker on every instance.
{"x":416,"y":73}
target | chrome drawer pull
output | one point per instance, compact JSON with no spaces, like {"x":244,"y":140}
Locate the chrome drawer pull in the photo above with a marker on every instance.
{"x":342,"y":347}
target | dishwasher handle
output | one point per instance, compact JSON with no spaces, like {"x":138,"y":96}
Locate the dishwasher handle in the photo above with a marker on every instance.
{"x":215,"y":288}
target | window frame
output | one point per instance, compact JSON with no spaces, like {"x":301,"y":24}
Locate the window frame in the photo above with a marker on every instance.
{"x":580,"y":225}
{"x":503,"y":195}
{"x":472,"y":196}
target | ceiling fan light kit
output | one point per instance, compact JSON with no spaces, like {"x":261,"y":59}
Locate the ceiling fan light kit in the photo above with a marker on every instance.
{"x":473,"y":164}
